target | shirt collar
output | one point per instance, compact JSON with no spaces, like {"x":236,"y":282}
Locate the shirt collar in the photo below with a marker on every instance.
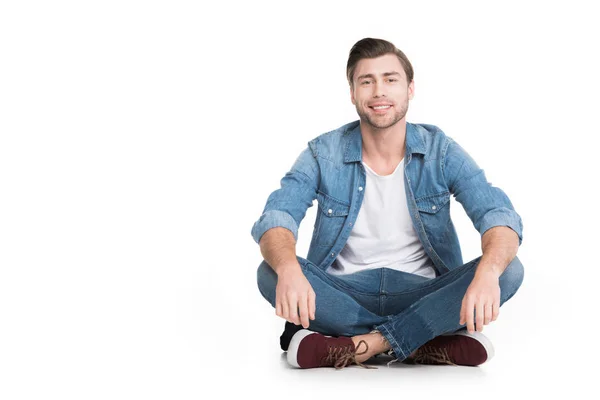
{"x":353,"y":152}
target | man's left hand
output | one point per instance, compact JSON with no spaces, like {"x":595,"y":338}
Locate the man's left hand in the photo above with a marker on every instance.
{"x":482,"y":299}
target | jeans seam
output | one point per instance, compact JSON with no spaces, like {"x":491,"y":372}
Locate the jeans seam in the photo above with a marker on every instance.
{"x":339,"y":285}
{"x":433,"y":282}
{"x":392,"y":340}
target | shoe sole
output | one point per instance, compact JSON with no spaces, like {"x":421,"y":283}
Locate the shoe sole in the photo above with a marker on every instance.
{"x":481,"y":338}
{"x":292,"y":352}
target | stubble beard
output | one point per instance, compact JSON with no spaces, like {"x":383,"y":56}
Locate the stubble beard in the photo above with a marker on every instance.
{"x":381,"y":123}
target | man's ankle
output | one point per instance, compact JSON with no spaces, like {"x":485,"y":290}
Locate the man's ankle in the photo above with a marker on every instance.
{"x":375,"y":340}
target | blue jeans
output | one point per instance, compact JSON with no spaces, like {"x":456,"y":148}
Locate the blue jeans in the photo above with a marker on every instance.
{"x":409,"y":310}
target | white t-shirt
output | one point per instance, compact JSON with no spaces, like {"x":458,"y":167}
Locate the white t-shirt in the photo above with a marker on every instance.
{"x":383,"y":235}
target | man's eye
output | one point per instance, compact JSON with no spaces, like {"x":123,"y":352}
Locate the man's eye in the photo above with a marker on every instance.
{"x":365,"y":82}
{"x":393,"y":80}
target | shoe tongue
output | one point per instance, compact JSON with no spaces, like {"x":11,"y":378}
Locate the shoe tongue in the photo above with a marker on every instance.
{"x":340,"y":344}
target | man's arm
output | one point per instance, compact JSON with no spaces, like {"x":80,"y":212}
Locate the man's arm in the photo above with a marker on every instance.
{"x":276,"y":232}
{"x":295,"y":299}
{"x":487,"y":206}
{"x":278,"y":248}
{"x":481,"y":302}
{"x":499,"y":245}
{"x":501,"y":231}
{"x":286,"y":206}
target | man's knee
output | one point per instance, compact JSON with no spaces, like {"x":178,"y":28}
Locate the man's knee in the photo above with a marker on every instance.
{"x":266,"y":278}
{"x":512,"y":278}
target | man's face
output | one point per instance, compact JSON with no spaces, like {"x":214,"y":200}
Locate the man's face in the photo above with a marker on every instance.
{"x":381,"y":92}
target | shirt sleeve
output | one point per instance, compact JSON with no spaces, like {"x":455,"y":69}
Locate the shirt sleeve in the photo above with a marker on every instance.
{"x":286,"y":206}
{"x":487,"y":206}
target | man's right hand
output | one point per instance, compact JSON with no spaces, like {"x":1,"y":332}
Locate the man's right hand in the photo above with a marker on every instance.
{"x":293,"y":293}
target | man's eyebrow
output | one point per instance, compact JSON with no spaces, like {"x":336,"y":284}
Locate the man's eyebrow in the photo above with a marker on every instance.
{"x":373,"y":76}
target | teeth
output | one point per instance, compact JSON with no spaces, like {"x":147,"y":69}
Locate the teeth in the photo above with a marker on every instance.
{"x":381,"y":107}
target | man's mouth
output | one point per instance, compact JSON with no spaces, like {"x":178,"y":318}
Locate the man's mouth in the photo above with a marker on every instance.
{"x":380,"y":109}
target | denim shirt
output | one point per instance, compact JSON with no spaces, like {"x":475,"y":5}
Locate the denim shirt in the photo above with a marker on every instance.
{"x":330,"y":170}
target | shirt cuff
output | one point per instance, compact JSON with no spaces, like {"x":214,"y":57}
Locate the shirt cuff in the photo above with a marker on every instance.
{"x":272,"y":219}
{"x":502,"y":217}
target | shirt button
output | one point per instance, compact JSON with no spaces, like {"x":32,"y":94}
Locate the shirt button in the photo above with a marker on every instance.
{"x":433,"y":207}
{"x":332,"y":254}
{"x":350,"y":223}
{"x":360,"y":188}
{"x":330,"y":211}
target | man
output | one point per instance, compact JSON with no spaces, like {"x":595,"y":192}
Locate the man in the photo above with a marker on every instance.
{"x":384,"y":272}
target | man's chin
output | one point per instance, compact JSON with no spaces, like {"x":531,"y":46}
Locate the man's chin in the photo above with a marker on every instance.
{"x":381,"y":124}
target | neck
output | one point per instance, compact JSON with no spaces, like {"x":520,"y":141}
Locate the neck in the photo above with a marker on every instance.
{"x":384,"y":145}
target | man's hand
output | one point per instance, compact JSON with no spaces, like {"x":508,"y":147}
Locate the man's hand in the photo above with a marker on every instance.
{"x":483,"y":296}
{"x":293,"y":293}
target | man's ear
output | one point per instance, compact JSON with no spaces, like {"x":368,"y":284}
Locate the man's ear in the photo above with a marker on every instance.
{"x":352,"y":95}
{"x":411,"y":90}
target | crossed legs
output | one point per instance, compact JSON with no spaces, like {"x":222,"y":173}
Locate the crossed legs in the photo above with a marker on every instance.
{"x":406,"y":319}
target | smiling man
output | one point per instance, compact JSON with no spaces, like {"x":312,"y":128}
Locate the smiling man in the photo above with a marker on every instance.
{"x":384,"y":272}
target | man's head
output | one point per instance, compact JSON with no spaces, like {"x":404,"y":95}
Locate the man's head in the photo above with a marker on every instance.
{"x":381,"y":82}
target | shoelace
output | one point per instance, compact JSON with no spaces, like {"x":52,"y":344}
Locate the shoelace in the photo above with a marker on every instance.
{"x":342,"y":356}
{"x":432,"y":355}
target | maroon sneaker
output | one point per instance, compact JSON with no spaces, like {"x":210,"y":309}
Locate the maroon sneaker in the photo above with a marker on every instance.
{"x":458,"y":348}
{"x":311,"y":350}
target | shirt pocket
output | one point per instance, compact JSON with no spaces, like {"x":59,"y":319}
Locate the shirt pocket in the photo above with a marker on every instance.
{"x":330,"y":219}
{"x":433,"y":204}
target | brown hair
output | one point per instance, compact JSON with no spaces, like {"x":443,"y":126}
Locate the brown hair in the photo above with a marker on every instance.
{"x":373,"y":48}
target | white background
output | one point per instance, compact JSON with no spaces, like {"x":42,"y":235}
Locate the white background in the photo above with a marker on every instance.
{"x":140,"y":140}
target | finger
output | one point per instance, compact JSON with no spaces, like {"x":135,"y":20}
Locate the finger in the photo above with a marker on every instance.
{"x":488,"y":314}
{"x":285,"y":309}
{"x":470,"y":317}
{"x":312,"y":304}
{"x":293,"y":310}
{"x":303,"y":306}
{"x":462,"y":313}
{"x":479,"y":315}
{"x":495,"y":311}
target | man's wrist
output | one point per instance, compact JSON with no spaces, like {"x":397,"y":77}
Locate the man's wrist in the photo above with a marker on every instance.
{"x":287,"y":267}
{"x":485,"y":268}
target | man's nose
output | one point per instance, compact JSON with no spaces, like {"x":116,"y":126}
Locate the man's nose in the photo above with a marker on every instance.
{"x":378,"y":90}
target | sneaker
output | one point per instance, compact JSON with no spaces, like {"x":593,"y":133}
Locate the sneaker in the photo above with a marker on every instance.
{"x":457,"y":348}
{"x":311,"y":350}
